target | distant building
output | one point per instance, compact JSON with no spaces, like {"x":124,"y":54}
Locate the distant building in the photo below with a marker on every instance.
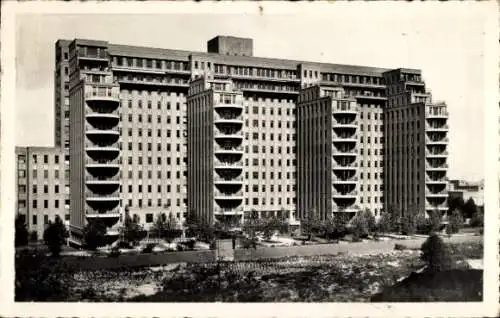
{"x":467,"y":190}
{"x":41,"y":191}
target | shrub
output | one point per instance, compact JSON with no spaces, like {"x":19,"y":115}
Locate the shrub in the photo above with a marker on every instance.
{"x":386,"y":223}
{"x":435,"y":221}
{"x":39,"y":278}
{"x":115,"y":252}
{"x":456,"y":221}
{"x":190,"y":244}
{"x":477,"y":219}
{"x":55,"y":236}
{"x":33,"y":236}
{"x":436,"y":254}
{"x":94,"y":234}
{"x":399,"y":247}
{"x":363,"y":224}
{"x":21,"y":235}
{"x":149,"y":248}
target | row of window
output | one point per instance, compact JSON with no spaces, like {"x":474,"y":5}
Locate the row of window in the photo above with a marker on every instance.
{"x":149,"y":104}
{"x":255,"y":201}
{"x":22,"y":174}
{"x":34,"y":204}
{"x":150,"y":119}
{"x":150,"y":63}
{"x":22,"y":189}
{"x":45,"y":160}
{"x":253,"y":71}
{"x":255,"y":188}
{"x":255,"y":110}
{"x":34,"y":218}
{"x":158,"y":160}
{"x":149,"y":203}
{"x":262,"y":123}
{"x":255,"y":136}
{"x":370,"y":80}
{"x":149,"y":132}
{"x":149,"y":174}
{"x":150,"y":145}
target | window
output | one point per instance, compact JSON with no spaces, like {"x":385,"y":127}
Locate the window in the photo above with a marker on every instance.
{"x":34,"y":220}
{"x":149,"y":218}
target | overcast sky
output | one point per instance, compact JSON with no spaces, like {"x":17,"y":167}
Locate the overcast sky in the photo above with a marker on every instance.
{"x":446,"y":44}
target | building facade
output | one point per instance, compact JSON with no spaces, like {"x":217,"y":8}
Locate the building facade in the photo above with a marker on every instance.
{"x":467,"y":190}
{"x":124,"y":109}
{"x":41,"y":191}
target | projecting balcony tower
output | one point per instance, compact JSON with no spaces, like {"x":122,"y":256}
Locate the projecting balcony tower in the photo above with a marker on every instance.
{"x":436,"y":144}
{"x":102,"y":152}
{"x":344,"y":152}
{"x":228,"y":162}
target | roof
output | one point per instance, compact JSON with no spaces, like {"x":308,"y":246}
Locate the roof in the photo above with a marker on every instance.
{"x":254,"y":61}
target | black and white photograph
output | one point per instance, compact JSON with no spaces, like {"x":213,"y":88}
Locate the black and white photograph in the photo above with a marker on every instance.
{"x":250,"y":153}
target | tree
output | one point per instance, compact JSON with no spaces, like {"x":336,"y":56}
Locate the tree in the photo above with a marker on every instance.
{"x":436,"y":254}
{"x":435,"y":221}
{"x":396,"y":216}
{"x":409,"y":221}
{"x":455,"y":223}
{"x":94,"y":234}
{"x":328,"y":227}
{"x":470,"y":208}
{"x":311,"y":224}
{"x":456,"y":203}
{"x":55,"y":236}
{"x":131,"y":229}
{"x":477,"y":219}
{"x":386,"y":223}
{"x":193,"y":224}
{"x":363,"y":224}
{"x":171,"y":230}
{"x":160,"y":225}
{"x":21,"y":236}
{"x":340,"y":221}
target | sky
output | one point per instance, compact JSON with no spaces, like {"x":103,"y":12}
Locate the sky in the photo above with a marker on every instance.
{"x":446,"y":45}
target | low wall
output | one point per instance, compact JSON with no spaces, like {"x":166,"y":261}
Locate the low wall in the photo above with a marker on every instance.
{"x":140,"y":260}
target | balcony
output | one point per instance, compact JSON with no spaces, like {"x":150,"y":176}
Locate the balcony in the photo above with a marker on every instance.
{"x":228,"y":165}
{"x":228,"y":180}
{"x":338,"y":194}
{"x":237,"y":194}
{"x":228,"y":118}
{"x":228,"y":106}
{"x":345,"y":152}
{"x":371,"y":97}
{"x":336,"y":179}
{"x":102,"y":179}
{"x":436,"y":167}
{"x":443,"y":193}
{"x":346,"y":166}
{"x":429,"y":127}
{"x":353,"y":110}
{"x":235,"y":211}
{"x":102,"y":96}
{"x":228,"y":150}
{"x":436,"y":154}
{"x":436,"y":114}
{"x":164,"y":83}
{"x":353,"y":124}
{"x":345,"y":138}
{"x":237,"y":135}
{"x":436,"y":181}
{"x":115,"y":195}
{"x":430,"y":141}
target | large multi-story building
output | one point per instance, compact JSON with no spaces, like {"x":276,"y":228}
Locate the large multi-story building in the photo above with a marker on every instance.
{"x":41,"y":191}
{"x":122,"y":114}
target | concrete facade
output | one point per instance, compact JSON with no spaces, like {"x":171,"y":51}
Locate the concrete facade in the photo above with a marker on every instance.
{"x":41,"y":191}
{"x":147,"y":91}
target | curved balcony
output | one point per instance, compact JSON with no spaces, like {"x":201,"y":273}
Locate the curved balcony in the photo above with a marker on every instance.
{"x":96,"y":97}
{"x":235,"y":187}
{"x":230,"y":149}
{"x":436,"y":154}
{"x":441,"y":194}
{"x":228,"y":202}
{"x":235,"y":180}
{"x":437,"y":141}
{"x":221,"y":165}
{"x":227,"y":117}
{"x":344,"y":152}
{"x":102,"y":202}
{"x":351,"y":180}
{"x":222,"y":212}
{"x":103,"y":121}
{"x":345,"y":123}
{"x":105,"y":137}
{"x":109,"y":218}
{"x":349,"y":138}
{"x":350,"y":109}
{"x":102,"y":153}
{"x":436,"y":126}
{"x":347,"y":195}
{"x":221,"y":106}
{"x":229,"y":137}
{"x":345,"y":166}
{"x":437,"y":180}
{"x":102,"y":168}
{"x":436,"y":114}
{"x":441,"y":167}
